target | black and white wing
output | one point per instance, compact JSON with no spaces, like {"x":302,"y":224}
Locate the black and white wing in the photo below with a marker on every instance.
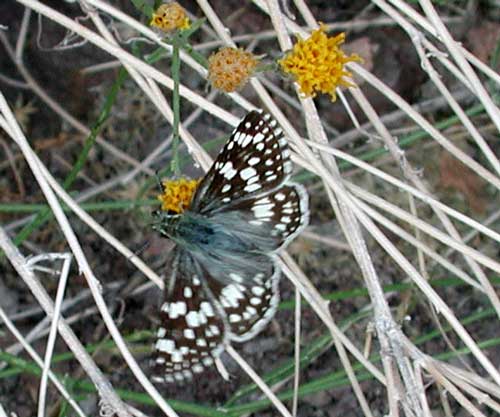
{"x":200,"y":311}
{"x":255,"y":160}
{"x":192,"y":330}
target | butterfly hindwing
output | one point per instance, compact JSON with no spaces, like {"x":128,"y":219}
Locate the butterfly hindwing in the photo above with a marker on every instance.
{"x":249,"y":307}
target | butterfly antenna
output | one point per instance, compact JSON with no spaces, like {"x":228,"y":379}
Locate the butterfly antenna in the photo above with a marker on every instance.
{"x":141,"y":249}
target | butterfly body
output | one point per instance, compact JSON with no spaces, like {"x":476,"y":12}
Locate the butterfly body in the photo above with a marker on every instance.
{"x":202,"y":235}
{"x":223,"y":284}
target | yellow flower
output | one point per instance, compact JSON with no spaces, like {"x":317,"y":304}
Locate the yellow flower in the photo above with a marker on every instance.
{"x":169,"y":17}
{"x":317,"y":63}
{"x":230,"y":68}
{"x":177,"y":194}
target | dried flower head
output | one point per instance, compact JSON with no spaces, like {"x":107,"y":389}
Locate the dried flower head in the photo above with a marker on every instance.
{"x":169,"y":17}
{"x":177,"y":194}
{"x":230,"y":68}
{"x":317,"y":63}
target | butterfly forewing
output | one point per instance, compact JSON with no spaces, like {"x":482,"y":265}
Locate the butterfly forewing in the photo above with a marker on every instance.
{"x":192,"y":331}
{"x":254,"y":160}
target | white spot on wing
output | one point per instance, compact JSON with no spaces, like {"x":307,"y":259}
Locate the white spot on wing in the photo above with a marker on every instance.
{"x":247,"y":173}
{"x":253,"y":161}
{"x":165,"y":345}
{"x":258,"y":291}
{"x":193,"y":319}
{"x":259,"y":137}
{"x":189,"y":334}
{"x":177,"y":309}
{"x":234,"y":318}
{"x":206,"y":307}
{"x":252,"y":187}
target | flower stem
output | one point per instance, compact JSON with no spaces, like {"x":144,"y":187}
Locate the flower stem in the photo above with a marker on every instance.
{"x":175,"y":67}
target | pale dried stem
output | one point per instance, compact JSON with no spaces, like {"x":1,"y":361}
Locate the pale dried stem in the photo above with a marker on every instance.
{"x":416,"y":36}
{"x":101,"y":383}
{"x":348,"y":222}
{"x":334,"y":243}
{"x":409,"y":173}
{"x":43,"y":327}
{"x":424,"y":124}
{"x":424,"y":196}
{"x":429,"y":27}
{"x":61,"y":288}
{"x":455,"y":51}
{"x":433,"y":369}
{"x":353,"y":234}
{"x":379,"y":218}
{"x":320,"y":306}
{"x":425,"y":227}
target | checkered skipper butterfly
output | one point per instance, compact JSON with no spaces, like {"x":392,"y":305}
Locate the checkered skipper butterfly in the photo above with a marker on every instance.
{"x":223,"y":284}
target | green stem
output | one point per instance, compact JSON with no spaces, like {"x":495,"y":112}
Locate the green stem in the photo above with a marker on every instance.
{"x":176,"y":105}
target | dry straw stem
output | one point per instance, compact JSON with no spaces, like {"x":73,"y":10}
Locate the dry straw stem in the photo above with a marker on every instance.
{"x":354,"y":207}
{"x":450,"y":315}
{"x":61,"y":288}
{"x":20,"y":264}
{"x":258,"y":381}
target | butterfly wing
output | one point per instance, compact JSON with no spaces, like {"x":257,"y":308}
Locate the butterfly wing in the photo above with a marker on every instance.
{"x":254,"y":160}
{"x":268,"y":221}
{"x":245,"y":286}
{"x":192,"y":331}
{"x":205,"y":305}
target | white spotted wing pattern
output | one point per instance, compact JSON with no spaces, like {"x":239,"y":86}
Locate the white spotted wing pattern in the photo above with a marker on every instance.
{"x":223,"y":285}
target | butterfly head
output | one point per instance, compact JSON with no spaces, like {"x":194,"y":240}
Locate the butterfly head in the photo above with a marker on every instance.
{"x":164,"y":222}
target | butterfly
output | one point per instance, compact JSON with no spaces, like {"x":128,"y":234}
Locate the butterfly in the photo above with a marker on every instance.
{"x":223,"y":283}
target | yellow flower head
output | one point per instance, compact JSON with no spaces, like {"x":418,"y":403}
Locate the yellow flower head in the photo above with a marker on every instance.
{"x":317,"y":63}
{"x":177,"y":194}
{"x":230,"y":68}
{"x":169,"y":17}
